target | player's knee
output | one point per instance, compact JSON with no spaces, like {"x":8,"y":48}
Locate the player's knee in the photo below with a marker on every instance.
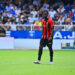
{"x":50,"y":48}
{"x":40,"y":47}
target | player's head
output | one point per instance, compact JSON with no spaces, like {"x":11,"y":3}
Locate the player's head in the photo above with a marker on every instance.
{"x":45,"y":14}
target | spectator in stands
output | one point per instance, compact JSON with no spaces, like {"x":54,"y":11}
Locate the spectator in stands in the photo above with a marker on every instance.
{"x":3,"y":30}
{"x":69,"y":20}
{"x":52,"y":12}
{"x":34,"y":12}
{"x":64,"y":23}
{"x":68,"y":7}
{"x":24,"y":18}
{"x":13,"y":18}
{"x":27,"y":22}
{"x":20,"y":11}
{"x":30,"y":8}
{"x":55,"y":19}
{"x":59,"y":2}
{"x":0,"y":17}
{"x":73,"y":9}
{"x":46,"y":5}
{"x":36,"y":2}
{"x":39,"y":22}
{"x":61,"y":9}
{"x":38,"y":7}
{"x":21,"y":22}
{"x":5,"y":18}
{"x":5,"y":13}
{"x":1,"y":13}
{"x":61,"y":20}
{"x":12,"y":11}
{"x":55,"y":6}
{"x":40,"y":12}
{"x":70,"y":14}
{"x":8,"y":22}
{"x":12,"y":6}
{"x":8,"y":14}
{"x":1,"y":23}
{"x":14,"y":22}
{"x":73,"y":18}
{"x":37,"y":17}
{"x":2,"y":7}
{"x":17,"y":11}
{"x":31,"y":19}
{"x":8,"y":8}
{"x":18,"y":18}
{"x":69,"y":25}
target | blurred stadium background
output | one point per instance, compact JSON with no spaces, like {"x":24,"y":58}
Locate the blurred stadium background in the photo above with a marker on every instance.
{"x":20,"y":28}
{"x":21,"y":20}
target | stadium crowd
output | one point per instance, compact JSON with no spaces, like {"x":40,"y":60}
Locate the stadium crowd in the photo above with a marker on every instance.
{"x":30,"y":12}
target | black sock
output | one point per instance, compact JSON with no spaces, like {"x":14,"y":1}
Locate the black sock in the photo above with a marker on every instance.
{"x":40,"y":53}
{"x":51,"y":53}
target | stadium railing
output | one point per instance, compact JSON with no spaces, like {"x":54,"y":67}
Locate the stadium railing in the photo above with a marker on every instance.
{"x":37,"y":27}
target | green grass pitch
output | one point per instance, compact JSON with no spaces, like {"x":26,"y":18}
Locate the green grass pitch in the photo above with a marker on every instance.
{"x":20,"y":62}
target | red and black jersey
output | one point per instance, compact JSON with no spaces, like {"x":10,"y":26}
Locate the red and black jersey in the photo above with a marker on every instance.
{"x":47,"y":28}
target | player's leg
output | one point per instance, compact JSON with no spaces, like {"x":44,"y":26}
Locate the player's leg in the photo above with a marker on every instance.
{"x":42,"y":44}
{"x":50,"y":51}
{"x":40,"y":52}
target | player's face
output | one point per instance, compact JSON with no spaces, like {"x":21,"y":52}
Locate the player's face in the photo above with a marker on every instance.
{"x":45,"y":14}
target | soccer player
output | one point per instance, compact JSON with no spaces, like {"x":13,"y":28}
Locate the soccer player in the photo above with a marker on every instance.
{"x":47,"y":37}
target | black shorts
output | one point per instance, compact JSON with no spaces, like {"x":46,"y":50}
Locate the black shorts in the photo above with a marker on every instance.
{"x":45,"y":42}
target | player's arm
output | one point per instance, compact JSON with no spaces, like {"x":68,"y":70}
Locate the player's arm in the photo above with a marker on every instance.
{"x":52,"y":28}
{"x":52,"y":31}
{"x":51,"y":35}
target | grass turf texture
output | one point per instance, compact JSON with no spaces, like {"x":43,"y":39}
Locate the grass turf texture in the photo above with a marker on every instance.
{"x":20,"y":62}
